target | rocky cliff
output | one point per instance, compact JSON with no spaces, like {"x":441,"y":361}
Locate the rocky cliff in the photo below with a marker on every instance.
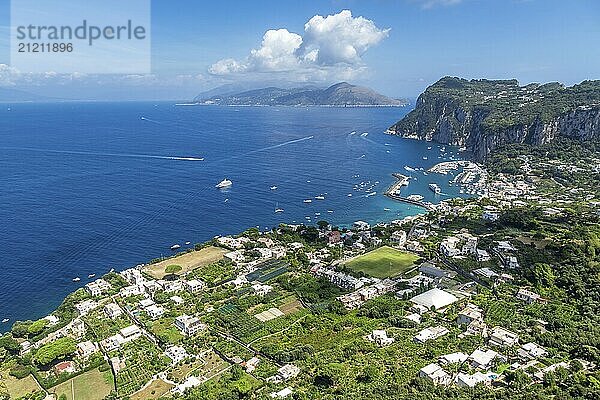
{"x":484,"y":114}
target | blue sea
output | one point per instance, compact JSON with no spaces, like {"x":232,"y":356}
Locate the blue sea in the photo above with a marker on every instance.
{"x":86,"y":187}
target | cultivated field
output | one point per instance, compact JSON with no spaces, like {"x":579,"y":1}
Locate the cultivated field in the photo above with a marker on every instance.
{"x":92,"y":385}
{"x":187,"y":261}
{"x":383,"y":262}
{"x":17,"y":387}
{"x":154,"y":390}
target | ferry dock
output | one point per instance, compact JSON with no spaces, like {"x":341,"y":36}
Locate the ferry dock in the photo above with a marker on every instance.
{"x":393,"y":192}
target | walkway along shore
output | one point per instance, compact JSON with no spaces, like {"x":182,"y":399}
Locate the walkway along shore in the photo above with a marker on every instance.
{"x":393,"y":192}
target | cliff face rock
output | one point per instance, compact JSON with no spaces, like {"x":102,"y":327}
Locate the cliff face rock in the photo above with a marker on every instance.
{"x":482,"y":114}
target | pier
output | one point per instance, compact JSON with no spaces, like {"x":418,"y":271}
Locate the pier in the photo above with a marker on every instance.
{"x":393,"y":192}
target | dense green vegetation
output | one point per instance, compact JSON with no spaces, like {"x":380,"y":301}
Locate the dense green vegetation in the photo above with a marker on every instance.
{"x":503,"y":102}
{"x":54,"y":350}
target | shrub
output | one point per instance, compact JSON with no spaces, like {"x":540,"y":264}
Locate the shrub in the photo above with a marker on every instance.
{"x":19,"y":371}
{"x":173,"y":268}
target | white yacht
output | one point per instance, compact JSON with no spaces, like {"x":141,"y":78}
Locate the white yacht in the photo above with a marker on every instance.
{"x":320,"y":197}
{"x":224,"y":183}
{"x":273,"y":187}
{"x":76,"y":279}
{"x":175,"y":247}
{"x":435,"y":188}
{"x":308,"y":201}
{"x":279,"y":210}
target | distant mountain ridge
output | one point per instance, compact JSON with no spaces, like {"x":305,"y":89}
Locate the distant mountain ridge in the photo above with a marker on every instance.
{"x":339,"y":95}
{"x":483,"y":114}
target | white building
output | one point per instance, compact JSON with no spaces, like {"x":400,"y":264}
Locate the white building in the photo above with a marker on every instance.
{"x":132,"y":290}
{"x":361,"y":226}
{"x":98,"y":287}
{"x":172,"y":286}
{"x":436,"y":298}
{"x":512,"y":262}
{"x":454,"y":358}
{"x":251,"y":364}
{"x":133,"y":276}
{"x":86,"y":349}
{"x":112,"y":310}
{"x":144,"y":303}
{"x":189,"y":325}
{"x":380,"y":338}
{"x":469,"y":314}
{"x":176,"y":354}
{"x":399,"y":237}
{"x":154,"y":311}
{"x":86,"y":306}
{"x":194,"y":285}
{"x":260,"y":289}
{"x":465,"y":380}
{"x":287,"y":372}
{"x":283,"y":393}
{"x":490,"y":216}
{"x":125,"y":335}
{"x":190,"y":382}
{"x":436,"y":374}
{"x":449,"y":248}
{"x":431,"y":333}
{"x":527,"y":296}
{"x":236,"y":256}
{"x":502,"y":337}
{"x":131,"y":332}
{"x":414,"y":317}
{"x":480,"y":359}
{"x":483,"y":255}
{"x":531,"y":351}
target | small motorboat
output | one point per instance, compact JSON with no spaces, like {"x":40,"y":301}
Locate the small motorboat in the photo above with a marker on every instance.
{"x":91,"y":276}
{"x":320,"y":197}
{"x":175,"y":247}
{"x":279,"y":210}
{"x":273,"y":187}
{"x":76,"y":279}
{"x":308,"y":201}
{"x":223,"y":184}
{"x":5,"y":320}
{"x":188,"y":243}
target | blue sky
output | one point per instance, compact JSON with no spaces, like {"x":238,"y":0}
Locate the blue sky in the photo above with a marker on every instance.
{"x":197,"y":45}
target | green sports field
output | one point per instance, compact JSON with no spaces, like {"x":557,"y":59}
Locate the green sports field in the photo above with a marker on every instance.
{"x":383,"y":262}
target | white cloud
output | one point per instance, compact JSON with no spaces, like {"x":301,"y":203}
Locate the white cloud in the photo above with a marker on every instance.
{"x":330,"y":47}
{"x":8,"y":75}
{"x":339,"y":38}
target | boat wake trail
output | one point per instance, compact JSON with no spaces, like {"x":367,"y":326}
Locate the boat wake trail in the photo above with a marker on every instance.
{"x":102,"y":154}
{"x":267,"y":148}
{"x":151,"y":120}
{"x":282,"y":144}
